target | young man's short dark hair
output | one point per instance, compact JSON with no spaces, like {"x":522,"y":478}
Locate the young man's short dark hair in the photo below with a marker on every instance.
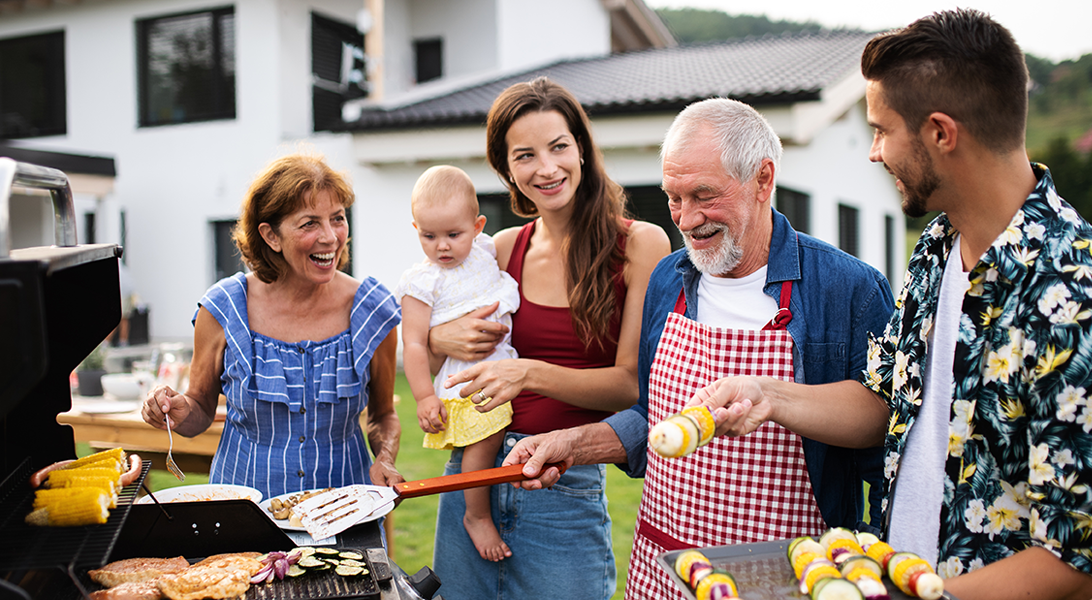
{"x":961,"y":63}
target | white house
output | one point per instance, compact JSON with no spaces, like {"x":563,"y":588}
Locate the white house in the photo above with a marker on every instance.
{"x":808,"y":86}
{"x":189,"y":98}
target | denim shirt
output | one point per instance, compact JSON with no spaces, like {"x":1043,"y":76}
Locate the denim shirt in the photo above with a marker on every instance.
{"x":837,"y":301}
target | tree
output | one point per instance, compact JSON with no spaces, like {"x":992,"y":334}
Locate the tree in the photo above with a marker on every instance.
{"x":692,"y":25}
{"x":1072,"y":173}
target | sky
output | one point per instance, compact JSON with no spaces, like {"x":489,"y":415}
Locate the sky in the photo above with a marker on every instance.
{"x":1052,"y":29}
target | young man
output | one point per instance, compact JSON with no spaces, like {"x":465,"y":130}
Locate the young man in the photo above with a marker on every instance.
{"x":979,"y":386}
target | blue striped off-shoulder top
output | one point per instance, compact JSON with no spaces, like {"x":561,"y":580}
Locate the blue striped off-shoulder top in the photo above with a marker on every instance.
{"x":293,"y":410}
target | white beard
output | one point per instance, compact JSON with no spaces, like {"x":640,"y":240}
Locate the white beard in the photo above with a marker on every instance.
{"x":716,"y":261}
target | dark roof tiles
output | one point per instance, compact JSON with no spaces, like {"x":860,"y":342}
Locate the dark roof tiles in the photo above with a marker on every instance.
{"x":757,"y":70}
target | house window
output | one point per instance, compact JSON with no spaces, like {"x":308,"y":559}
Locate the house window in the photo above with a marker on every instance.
{"x":796,"y":207}
{"x":89,"y":228}
{"x":32,"y":86}
{"x":644,"y":202}
{"x":338,"y":70}
{"x":498,"y":213}
{"x":186,"y":67}
{"x":429,"y":56}
{"x":228,"y":259}
{"x":649,"y":203}
{"x":848,"y":229}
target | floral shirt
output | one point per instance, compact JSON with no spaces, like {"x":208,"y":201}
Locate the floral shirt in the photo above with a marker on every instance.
{"x":1019,"y":460}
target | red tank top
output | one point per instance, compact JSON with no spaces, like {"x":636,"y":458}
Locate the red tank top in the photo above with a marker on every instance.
{"x":546,"y":333}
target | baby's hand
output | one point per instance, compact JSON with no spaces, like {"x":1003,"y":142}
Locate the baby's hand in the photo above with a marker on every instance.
{"x":431,"y":414}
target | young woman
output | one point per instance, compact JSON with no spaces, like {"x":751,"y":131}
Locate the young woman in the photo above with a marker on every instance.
{"x":582,"y":270}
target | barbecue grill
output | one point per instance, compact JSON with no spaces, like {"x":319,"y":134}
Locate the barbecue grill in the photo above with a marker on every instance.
{"x":56,"y":305}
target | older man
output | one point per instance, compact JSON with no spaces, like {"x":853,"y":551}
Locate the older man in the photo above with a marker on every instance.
{"x":748,"y":295}
{"x":980,"y":384}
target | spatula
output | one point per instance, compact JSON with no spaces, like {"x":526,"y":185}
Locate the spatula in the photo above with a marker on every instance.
{"x":330,"y":513}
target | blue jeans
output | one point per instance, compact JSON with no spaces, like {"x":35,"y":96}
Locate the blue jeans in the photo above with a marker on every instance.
{"x":559,"y":537}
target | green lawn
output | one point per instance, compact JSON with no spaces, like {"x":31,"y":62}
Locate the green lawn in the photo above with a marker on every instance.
{"x":415,"y":519}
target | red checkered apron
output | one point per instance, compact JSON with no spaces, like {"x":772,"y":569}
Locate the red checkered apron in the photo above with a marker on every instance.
{"x":734,"y":490}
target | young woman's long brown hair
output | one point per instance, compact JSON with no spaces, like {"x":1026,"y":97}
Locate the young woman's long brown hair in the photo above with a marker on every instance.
{"x":593,"y":254}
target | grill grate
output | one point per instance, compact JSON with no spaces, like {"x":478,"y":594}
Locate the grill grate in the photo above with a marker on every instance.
{"x":325,"y":585}
{"x":316,"y":585}
{"x":26,"y":547}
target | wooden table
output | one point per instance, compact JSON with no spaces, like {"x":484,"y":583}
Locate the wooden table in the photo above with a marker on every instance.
{"x":128,"y":430}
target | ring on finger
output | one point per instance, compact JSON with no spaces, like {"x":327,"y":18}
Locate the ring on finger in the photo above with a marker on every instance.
{"x":481,"y":396}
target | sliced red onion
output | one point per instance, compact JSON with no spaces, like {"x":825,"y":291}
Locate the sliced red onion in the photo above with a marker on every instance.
{"x":280,"y":568}
{"x":262,"y":575}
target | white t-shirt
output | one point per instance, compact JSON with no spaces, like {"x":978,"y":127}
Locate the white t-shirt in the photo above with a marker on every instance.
{"x":735,"y":303}
{"x":919,"y":489}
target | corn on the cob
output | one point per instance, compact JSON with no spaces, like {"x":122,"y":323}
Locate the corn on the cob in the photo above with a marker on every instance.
{"x":881,"y":552}
{"x":62,"y":478}
{"x":69,"y":507}
{"x":682,"y":433}
{"x":115,"y":454}
{"x":816,"y":571}
{"x":862,"y":560}
{"x":913,"y":575}
{"x":842,"y":548}
{"x":106,"y":463}
{"x":717,"y":585}
{"x":707,"y":583}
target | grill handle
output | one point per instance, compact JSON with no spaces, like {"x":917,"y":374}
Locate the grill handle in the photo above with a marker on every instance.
{"x":13,"y":173}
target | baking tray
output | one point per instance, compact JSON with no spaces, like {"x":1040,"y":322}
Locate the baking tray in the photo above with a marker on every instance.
{"x":761,"y":570}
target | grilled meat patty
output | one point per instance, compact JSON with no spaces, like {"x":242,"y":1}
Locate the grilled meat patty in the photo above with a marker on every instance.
{"x":136,"y":590}
{"x":204,"y":582}
{"x":245,"y":561}
{"x":133,"y":570}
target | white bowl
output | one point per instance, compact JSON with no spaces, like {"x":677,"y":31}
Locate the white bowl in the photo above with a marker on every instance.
{"x":127,"y":386}
{"x":205,"y":493}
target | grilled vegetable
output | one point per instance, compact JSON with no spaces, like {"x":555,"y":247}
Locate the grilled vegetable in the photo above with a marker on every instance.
{"x":682,"y":433}
{"x":881,"y":552}
{"x":833,"y":588}
{"x":717,"y":585}
{"x":913,"y":575}
{"x":687,"y":561}
{"x":866,"y":574}
{"x":841,"y":549}
{"x":70,"y":507}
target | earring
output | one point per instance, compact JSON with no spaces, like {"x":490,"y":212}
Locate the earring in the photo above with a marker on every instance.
{"x":581,"y":160}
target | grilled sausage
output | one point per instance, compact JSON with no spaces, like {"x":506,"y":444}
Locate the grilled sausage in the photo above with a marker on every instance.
{"x":39,"y":477}
{"x":131,"y":475}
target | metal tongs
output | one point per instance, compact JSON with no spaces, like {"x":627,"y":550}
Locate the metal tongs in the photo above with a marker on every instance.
{"x":329,"y":513}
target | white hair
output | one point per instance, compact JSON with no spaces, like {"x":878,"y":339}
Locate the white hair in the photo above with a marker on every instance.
{"x":741,"y":132}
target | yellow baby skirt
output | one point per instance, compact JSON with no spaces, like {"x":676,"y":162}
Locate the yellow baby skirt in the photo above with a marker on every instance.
{"x":465,"y":425}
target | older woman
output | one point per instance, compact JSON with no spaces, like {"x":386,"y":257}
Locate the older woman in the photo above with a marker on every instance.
{"x":298,"y":347}
{"x":582,"y":270}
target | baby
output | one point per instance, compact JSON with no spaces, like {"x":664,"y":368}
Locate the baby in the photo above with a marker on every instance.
{"x":459,"y":276}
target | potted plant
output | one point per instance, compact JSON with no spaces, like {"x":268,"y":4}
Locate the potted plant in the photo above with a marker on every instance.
{"x":90,"y":371}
